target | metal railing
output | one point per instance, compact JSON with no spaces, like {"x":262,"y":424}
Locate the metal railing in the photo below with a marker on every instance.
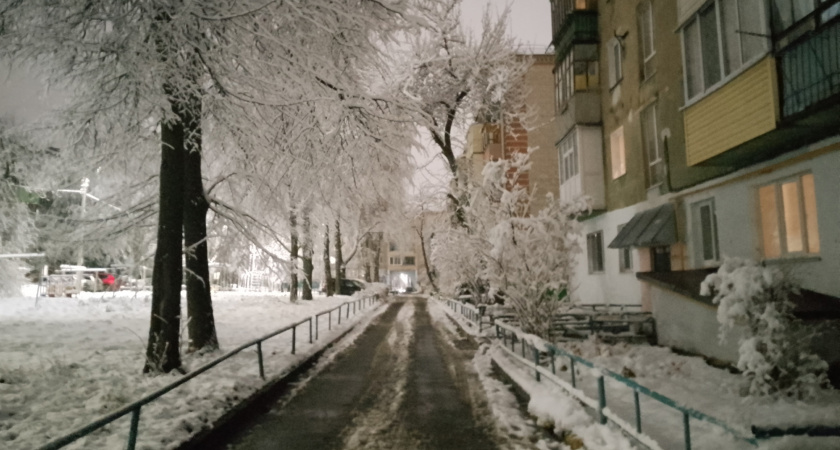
{"x":134,"y":408}
{"x":514,"y":336}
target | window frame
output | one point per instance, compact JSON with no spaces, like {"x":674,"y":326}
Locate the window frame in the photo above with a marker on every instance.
{"x":645,"y":22}
{"x":408,"y":261}
{"x":595,"y":248}
{"x":618,"y":152}
{"x":654,"y":179}
{"x":725,"y":73}
{"x":699,"y":241}
{"x":616,"y":72}
{"x":781,"y":223}
{"x":568,"y":156}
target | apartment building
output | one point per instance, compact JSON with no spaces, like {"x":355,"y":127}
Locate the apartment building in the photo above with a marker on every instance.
{"x":492,"y":141}
{"x":700,"y":129}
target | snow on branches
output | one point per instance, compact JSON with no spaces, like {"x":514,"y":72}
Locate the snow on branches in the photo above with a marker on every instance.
{"x":509,"y":252}
{"x":774,"y":353}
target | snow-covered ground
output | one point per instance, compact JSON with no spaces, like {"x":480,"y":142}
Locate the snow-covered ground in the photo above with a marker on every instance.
{"x":687,"y":380}
{"x":65,"y":362}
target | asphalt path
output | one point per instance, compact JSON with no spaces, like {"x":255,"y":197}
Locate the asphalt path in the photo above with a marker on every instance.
{"x":401,"y":385}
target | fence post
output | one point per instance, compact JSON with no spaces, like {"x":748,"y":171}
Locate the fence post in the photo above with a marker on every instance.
{"x":523,"y":348}
{"x":638,"y":411}
{"x":329,"y":320}
{"x":602,"y":400}
{"x":339,"y":314}
{"x":348,"y":312}
{"x":132,"y":431}
{"x":504,"y":335}
{"x":687,"y":429}
{"x":310,"y":329}
{"x":553,"y":369}
{"x":536,"y":363}
{"x":260,"y":360}
{"x":572,"y":366}
{"x":317,"y":320}
{"x":294,"y":336}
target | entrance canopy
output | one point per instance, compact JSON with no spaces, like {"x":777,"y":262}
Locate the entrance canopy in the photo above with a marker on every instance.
{"x":652,"y":228}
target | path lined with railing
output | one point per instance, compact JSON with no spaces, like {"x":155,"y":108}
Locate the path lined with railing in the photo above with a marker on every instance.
{"x":391,"y":389}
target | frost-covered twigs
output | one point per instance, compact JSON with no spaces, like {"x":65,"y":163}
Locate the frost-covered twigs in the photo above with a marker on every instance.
{"x":774,"y":352}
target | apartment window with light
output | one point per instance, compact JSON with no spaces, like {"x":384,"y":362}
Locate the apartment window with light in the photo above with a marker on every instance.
{"x":617,"y":157}
{"x":614,"y":56}
{"x":625,"y":256}
{"x":650,"y":142}
{"x":719,"y":40}
{"x":568,"y":152}
{"x":704,"y":222}
{"x":788,"y":211}
{"x":595,"y":251}
{"x":408,"y":261}
{"x":646,"y":39}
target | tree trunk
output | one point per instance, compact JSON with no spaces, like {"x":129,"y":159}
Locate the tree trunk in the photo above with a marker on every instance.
{"x":328,"y":280}
{"x":377,"y":251}
{"x":163,"y":350}
{"x":339,"y":270}
{"x":430,"y":273}
{"x":307,"y":256}
{"x":201,"y":324}
{"x":367,"y":256}
{"x":293,"y":284}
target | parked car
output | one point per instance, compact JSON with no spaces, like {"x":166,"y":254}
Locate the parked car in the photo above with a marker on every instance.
{"x":349,"y":286}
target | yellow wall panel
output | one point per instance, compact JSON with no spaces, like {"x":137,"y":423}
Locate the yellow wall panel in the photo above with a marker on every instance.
{"x":741,"y":110}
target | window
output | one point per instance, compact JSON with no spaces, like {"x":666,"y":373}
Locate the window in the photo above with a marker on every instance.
{"x":646,"y":39}
{"x":625,"y":256}
{"x":395,"y":260}
{"x":408,"y":261}
{"x":578,"y":71}
{"x":614,"y":56}
{"x":617,"y":160}
{"x":595,"y":251}
{"x":719,"y":40}
{"x":650,"y":142}
{"x":705,"y":234}
{"x":392,"y":246}
{"x":568,"y":152}
{"x":788,"y":211}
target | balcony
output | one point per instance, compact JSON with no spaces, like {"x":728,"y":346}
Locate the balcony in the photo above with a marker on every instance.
{"x":809,"y":71}
{"x":579,"y":27}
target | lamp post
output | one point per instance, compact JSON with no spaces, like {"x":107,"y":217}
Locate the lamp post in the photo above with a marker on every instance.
{"x":83,"y":191}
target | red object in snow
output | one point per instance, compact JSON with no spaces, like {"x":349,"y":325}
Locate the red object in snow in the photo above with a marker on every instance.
{"x":107,"y":279}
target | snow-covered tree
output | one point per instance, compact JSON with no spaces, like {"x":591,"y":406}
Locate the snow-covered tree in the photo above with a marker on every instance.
{"x":508,"y":253}
{"x":774,"y":352}
{"x":455,"y":77}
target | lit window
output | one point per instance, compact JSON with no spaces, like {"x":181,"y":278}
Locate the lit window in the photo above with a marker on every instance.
{"x":789,"y":217}
{"x":721,"y":39}
{"x":595,"y":251}
{"x":614,"y":55}
{"x":705,"y":235}
{"x":625,"y":256}
{"x":646,"y":36}
{"x":656,"y":164}
{"x":617,"y":159}
{"x":568,"y":152}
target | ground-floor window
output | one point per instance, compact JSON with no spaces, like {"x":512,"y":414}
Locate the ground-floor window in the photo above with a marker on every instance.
{"x":625,"y":256}
{"x":788,"y":210}
{"x":704,"y":222}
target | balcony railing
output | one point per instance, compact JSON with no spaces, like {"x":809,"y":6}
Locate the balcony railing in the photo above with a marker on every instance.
{"x":580,"y":27}
{"x":810,"y":70}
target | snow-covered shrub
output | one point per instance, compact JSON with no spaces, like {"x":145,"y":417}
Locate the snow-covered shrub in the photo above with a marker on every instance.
{"x":774,"y":353}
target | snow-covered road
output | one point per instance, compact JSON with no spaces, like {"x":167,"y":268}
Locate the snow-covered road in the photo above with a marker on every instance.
{"x":405,"y":383}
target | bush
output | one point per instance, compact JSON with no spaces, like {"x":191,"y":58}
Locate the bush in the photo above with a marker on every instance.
{"x":774,"y":353}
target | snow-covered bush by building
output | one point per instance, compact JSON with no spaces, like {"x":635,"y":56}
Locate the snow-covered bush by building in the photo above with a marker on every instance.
{"x":774,"y":352}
